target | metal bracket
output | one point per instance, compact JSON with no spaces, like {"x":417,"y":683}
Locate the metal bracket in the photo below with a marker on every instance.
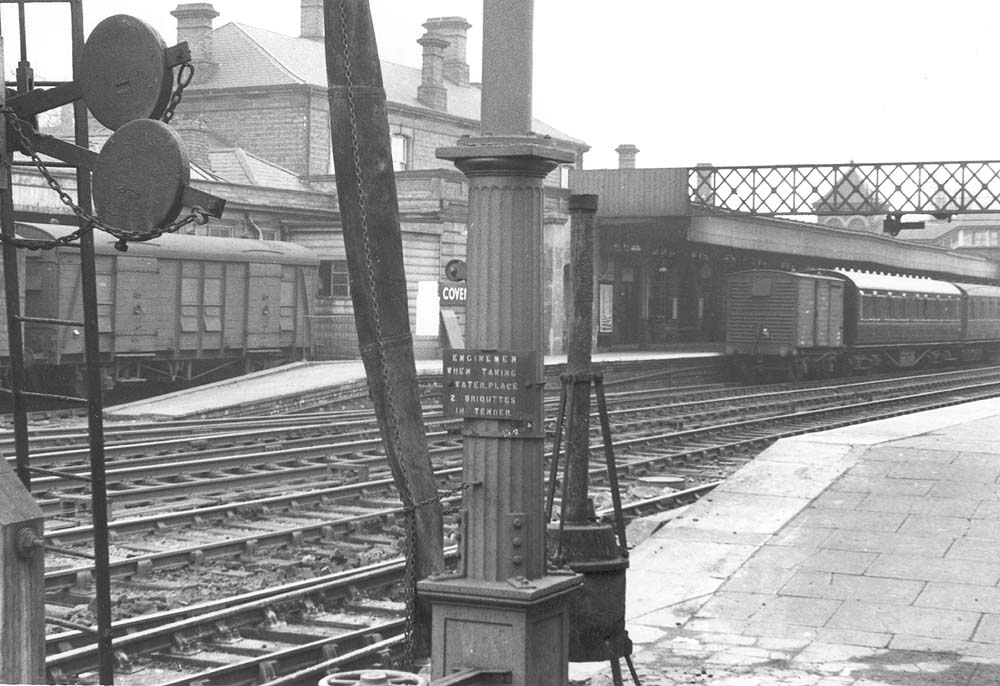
{"x":28,"y":542}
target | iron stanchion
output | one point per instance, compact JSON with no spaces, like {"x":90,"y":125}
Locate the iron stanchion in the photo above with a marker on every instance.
{"x":594,"y":550}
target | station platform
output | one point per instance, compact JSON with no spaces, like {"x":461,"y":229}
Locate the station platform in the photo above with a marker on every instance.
{"x":294,"y":386}
{"x":863,"y":556}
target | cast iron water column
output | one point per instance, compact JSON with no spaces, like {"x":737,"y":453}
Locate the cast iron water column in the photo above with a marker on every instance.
{"x":504,"y":611}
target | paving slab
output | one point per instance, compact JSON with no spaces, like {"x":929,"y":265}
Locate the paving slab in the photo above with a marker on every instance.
{"x":864,"y":556}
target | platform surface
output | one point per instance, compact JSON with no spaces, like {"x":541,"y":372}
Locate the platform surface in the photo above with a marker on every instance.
{"x":305,"y":377}
{"x":863,"y":556}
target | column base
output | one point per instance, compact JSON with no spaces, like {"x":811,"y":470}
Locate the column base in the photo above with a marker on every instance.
{"x":521,"y":625}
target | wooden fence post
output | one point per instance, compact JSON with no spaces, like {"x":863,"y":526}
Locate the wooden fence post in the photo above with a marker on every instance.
{"x":22,"y":594}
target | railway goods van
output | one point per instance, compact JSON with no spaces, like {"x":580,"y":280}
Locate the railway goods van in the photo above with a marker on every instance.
{"x":175,"y":308}
{"x":4,"y":343}
{"x":773,"y":317}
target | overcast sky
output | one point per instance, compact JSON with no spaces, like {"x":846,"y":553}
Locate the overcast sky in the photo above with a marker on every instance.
{"x":688,"y":81}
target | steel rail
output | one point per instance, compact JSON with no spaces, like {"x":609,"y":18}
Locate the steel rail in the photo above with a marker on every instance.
{"x":141,"y":564}
{"x":46,"y":440}
{"x":196,"y":554}
{"x":379,"y":574}
{"x":774,"y":401}
{"x":718,"y":443}
{"x":803,"y":421}
{"x":158,"y":632}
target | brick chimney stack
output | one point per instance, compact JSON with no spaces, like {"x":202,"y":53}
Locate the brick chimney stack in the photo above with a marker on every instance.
{"x":194,"y":25}
{"x":197,"y":139}
{"x":626,"y":155}
{"x":454,"y":30}
{"x":431,"y":91}
{"x":311,"y":24}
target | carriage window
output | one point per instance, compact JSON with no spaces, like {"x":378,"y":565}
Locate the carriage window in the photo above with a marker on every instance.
{"x":867,"y":306}
{"x":950,"y":311}
{"x":881,"y":307}
{"x":897,"y":303}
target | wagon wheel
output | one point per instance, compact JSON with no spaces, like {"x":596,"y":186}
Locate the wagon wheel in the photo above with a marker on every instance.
{"x":383,"y":677}
{"x":797,"y":370}
{"x":792,"y":372}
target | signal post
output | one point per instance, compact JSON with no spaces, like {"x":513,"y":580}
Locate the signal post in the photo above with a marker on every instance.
{"x":503,"y":611}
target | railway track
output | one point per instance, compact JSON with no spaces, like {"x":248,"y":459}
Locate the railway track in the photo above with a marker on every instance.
{"x":695,"y":442}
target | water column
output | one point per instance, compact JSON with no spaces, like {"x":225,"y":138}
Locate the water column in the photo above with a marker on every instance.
{"x":503,"y":610}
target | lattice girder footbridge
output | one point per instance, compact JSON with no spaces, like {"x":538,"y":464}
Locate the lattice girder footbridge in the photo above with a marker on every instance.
{"x":940,"y":189}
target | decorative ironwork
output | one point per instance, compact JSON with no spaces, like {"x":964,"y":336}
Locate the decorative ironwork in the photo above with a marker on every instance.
{"x":937,"y":188}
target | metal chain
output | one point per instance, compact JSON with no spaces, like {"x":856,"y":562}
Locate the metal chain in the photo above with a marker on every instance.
{"x":410,"y":581}
{"x":184,"y":76}
{"x":442,"y":495}
{"x":198,"y":215}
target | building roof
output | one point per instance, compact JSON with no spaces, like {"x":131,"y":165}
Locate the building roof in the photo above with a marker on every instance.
{"x":237,"y":165}
{"x":852,"y":194}
{"x":249,"y":56}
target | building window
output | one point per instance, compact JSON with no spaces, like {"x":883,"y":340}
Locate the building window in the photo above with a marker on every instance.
{"x":400,"y":152}
{"x":334,"y":281}
{"x":564,"y":170}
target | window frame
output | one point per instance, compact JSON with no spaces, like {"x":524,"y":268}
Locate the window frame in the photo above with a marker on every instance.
{"x":334,"y":280}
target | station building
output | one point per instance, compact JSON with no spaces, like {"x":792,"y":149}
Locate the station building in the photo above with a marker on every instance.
{"x":257,"y":113}
{"x":255,"y":123}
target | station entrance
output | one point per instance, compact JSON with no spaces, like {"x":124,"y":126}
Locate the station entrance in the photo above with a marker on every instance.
{"x":655,"y":289}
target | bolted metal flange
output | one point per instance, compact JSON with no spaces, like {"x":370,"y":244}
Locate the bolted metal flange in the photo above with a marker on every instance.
{"x":597,"y":612}
{"x":373,"y":678}
{"x":27,"y":542}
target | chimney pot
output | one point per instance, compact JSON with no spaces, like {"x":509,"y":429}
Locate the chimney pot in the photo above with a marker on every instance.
{"x":311,"y":20}
{"x":626,"y":155}
{"x":454,"y":30}
{"x":194,"y":25}
{"x":431,"y":91}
